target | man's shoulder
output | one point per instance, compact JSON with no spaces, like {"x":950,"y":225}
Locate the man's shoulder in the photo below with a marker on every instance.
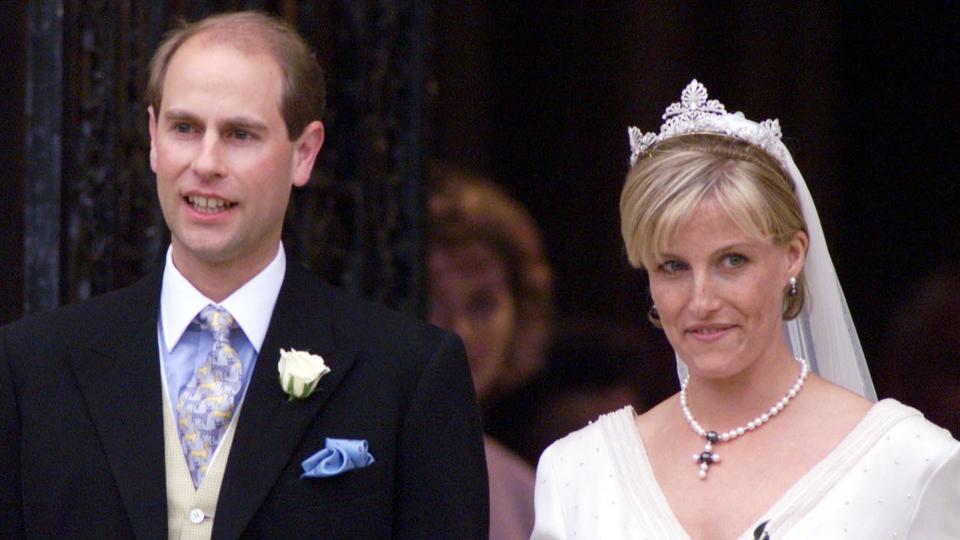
{"x":363,"y":321}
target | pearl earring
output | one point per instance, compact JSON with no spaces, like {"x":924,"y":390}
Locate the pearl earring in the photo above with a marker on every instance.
{"x":792,"y":291}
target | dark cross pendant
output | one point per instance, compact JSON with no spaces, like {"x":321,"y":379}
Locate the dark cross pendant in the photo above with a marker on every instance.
{"x":705,"y":458}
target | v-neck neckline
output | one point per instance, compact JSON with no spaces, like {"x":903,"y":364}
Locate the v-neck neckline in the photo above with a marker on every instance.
{"x":790,"y":506}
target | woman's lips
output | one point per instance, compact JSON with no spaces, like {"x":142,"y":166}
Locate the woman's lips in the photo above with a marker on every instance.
{"x":709,"y":333}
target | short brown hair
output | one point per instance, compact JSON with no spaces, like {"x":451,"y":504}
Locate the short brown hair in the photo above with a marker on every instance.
{"x":668,"y":183}
{"x":303,"y":96}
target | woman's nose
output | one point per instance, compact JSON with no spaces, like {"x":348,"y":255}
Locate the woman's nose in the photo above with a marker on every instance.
{"x":463,"y":327}
{"x":703,"y":298}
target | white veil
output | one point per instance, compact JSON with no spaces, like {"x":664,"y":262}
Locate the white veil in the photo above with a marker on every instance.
{"x":823,"y":333}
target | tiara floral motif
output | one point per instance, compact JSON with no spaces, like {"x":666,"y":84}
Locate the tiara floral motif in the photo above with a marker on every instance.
{"x":696,"y":114}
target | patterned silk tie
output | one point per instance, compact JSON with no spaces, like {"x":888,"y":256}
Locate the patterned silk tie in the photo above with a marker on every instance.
{"x":206,"y":404}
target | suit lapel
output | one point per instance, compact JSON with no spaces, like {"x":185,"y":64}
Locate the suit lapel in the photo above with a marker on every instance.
{"x":118,"y":373}
{"x":270,"y":426}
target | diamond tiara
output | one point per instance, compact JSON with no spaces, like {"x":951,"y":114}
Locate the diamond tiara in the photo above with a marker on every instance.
{"x":696,"y":114}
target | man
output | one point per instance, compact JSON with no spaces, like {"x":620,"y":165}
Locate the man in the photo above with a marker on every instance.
{"x":156,"y":411}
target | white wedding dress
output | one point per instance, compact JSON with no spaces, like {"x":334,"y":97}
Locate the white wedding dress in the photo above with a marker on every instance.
{"x":895,"y":475}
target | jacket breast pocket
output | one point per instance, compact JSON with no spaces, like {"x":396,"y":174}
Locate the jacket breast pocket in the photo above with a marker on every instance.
{"x":342,"y":488}
{"x":355,"y":504}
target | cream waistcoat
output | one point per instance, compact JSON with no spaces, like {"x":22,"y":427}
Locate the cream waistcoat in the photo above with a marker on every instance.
{"x":190,"y":512}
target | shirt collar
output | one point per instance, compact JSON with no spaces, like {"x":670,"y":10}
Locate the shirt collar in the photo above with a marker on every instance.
{"x":251,"y":305}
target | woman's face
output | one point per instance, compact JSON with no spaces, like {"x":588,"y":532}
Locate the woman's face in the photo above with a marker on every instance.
{"x":720,"y":292}
{"x":470,"y":294}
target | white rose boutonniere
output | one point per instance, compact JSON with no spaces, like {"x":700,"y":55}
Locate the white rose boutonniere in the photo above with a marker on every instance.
{"x":300,"y":372}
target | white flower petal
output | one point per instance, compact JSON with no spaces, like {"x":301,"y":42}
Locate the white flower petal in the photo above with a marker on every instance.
{"x":300,"y":371}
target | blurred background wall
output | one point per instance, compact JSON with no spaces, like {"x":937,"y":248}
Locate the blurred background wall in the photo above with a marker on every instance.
{"x":535,"y":94}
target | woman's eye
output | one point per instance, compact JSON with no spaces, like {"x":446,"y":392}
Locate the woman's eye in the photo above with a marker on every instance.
{"x":734,"y":260}
{"x":672,"y":267}
{"x":481,"y":304}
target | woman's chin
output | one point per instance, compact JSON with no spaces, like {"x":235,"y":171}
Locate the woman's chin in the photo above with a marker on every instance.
{"x":714,"y":365}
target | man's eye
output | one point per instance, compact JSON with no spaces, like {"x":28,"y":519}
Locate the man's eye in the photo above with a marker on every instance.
{"x":182,"y":127}
{"x":242,"y":135}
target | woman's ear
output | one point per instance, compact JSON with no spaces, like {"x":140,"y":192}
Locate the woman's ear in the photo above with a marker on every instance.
{"x":797,"y":252}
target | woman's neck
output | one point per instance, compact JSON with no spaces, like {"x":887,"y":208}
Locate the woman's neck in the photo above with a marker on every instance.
{"x":721,"y":404}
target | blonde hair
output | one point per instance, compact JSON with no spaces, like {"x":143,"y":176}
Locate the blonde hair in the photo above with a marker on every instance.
{"x":304,"y":93}
{"x":672,"y":179}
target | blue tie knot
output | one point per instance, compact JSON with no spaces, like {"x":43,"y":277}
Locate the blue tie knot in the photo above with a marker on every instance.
{"x":218,"y":320}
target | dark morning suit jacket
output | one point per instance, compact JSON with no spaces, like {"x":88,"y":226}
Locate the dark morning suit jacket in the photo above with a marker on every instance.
{"x":81,"y":425}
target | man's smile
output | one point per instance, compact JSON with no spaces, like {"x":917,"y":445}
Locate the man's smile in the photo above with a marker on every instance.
{"x":208,"y":205}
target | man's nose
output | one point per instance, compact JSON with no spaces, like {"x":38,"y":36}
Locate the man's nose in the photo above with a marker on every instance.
{"x":208,"y":163}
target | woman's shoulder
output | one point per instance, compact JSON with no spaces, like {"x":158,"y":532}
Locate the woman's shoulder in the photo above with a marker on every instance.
{"x":591,"y":437}
{"x":907,"y":454}
{"x":654,"y":424}
{"x":907,"y":426}
{"x":898,"y":440}
{"x":839,"y":418}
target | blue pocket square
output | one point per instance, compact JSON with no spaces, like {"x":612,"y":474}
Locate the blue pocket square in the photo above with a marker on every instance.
{"x":339,"y":456}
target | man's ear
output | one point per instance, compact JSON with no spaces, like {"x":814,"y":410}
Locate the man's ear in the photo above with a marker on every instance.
{"x":306,"y":148}
{"x":153,"y":138}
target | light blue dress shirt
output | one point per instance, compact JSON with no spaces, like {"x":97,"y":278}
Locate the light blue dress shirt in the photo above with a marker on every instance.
{"x":184,"y":345}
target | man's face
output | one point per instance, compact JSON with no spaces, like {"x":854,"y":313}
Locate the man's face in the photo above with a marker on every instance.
{"x":223,"y":158}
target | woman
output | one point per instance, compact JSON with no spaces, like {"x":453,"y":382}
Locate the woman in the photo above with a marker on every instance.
{"x":717,"y":214}
{"x":490,"y":283}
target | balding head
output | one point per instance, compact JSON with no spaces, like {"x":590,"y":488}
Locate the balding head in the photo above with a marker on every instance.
{"x":303,"y":96}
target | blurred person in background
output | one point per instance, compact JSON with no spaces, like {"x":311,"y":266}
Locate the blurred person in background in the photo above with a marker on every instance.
{"x":926,"y":326}
{"x":590,"y":371}
{"x":489,"y":281}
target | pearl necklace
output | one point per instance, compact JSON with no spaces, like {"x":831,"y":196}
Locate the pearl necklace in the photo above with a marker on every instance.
{"x":705,"y":458}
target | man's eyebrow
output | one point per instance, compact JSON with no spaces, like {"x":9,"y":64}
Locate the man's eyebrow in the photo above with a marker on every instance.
{"x":174,"y":115}
{"x":242,"y":122}
{"x":234,"y":122}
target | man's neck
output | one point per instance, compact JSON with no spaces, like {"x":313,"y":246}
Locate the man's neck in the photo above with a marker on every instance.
{"x":217,"y":280}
